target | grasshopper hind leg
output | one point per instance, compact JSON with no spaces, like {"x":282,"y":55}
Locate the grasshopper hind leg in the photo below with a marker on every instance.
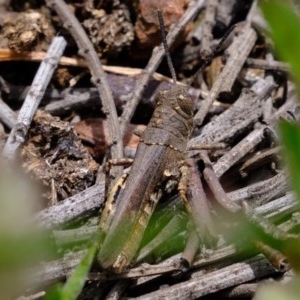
{"x":183,"y":185}
{"x":110,"y":204}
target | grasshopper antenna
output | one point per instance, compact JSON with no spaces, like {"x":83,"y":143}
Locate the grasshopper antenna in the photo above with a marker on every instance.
{"x":227,"y":36}
{"x":164,"y":40}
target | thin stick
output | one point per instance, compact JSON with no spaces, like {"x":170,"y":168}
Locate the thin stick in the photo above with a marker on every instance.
{"x":71,"y":208}
{"x":227,"y":36}
{"x":202,"y":284}
{"x":7,"y":115}
{"x":164,"y":41}
{"x":41,"y":80}
{"x":208,"y":23}
{"x":190,"y":250}
{"x":244,"y":43}
{"x":267,"y":65}
{"x":276,"y":258}
{"x":98,"y":76}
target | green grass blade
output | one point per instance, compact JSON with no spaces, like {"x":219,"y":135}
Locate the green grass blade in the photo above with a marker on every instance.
{"x":54,"y":293}
{"x":290,"y":136}
{"x":74,"y":285}
{"x":76,"y":281}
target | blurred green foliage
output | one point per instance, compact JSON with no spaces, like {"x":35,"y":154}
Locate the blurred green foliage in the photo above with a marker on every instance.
{"x":284,"y":30}
{"x":75,"y":283}
{"x":284,"y":22}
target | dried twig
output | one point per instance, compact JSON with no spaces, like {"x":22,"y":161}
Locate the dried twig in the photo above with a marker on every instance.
{"x":10,"y":55}
{"x":18,"y":133}
{"x":211,"y":282}
{"x":190,"y":250}
{"x":98,"y":76}
{"x":56,"y":270}
{"x":77,"y":98}
{"x":225,"y":12}
{"x":72,"y":208}
{"x":263,"y":191}
{"x":255,"y":137}
{"x":239,"y":151}
{"x":262,"y":158}
{"x":263,"y":223}
{"x":7,"y":115}
{"x":238,"y":53}
{"x":242,"y":115}
{"x":278,"y":206}
{"x":267,"y":65}
{"x":207,"y":28}
{"x":276,"y":258}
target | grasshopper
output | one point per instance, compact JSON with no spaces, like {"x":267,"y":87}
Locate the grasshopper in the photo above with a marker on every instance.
{"x":159,"y":160}
{"x":160,"y":163}
{"x":160,"y":155}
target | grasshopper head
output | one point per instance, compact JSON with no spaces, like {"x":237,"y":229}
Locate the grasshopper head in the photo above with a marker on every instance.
{"x":179,"y":100}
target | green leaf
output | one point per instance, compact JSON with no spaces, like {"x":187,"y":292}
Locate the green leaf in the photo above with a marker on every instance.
{"x":76,"y":281}
{"x":290,"y":136}
{"x":285,"y":32}
{"x":54,"y":293}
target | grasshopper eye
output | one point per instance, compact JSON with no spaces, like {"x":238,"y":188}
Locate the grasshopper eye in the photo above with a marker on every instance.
{"x":185,"y":103}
